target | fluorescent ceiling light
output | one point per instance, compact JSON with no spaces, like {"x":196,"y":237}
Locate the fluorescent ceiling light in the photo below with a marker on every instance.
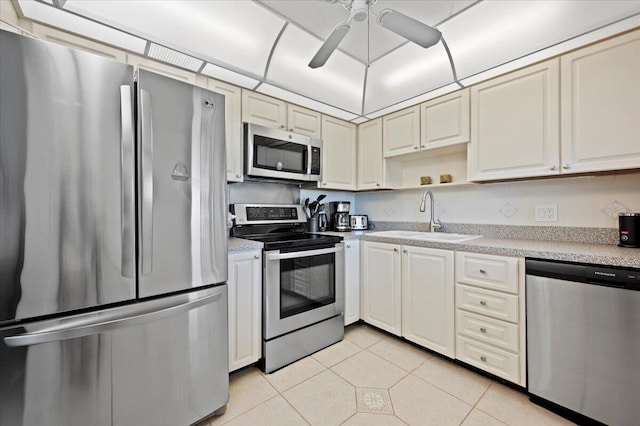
{"x":232,"y":77}
{"x":58,"y":18}
{"x":173,"y":57}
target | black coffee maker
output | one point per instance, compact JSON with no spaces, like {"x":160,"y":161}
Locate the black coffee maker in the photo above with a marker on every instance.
{"x":339,"y":216}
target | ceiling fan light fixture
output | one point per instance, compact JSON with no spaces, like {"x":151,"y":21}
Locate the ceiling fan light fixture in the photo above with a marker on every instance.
{"x":329,"y":45}
{"x":409,"y":28}
{"x":359,"y":10}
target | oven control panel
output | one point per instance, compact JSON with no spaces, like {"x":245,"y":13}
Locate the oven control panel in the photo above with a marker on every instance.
{"x":256,"y":214}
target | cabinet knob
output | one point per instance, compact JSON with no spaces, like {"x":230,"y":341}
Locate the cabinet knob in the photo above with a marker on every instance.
{"x":483,"y":330}
{"x":553,"y":168}
{"x":238,"y":176}
{"x":324,"y":183}
{"x":483,"y":358}
{"x":423,"y":146}
{"x":404,"y":251}
{"x":483,"y":302}
{"x":377,"y":184}
{"x":282,"y":126}
{"x":256,"y":257}
{"x":415,"y":147}
{"x":566,"y":166}
{"x":348,"y":245}
{"x":395,"y":249}
{"x":482,"y":271}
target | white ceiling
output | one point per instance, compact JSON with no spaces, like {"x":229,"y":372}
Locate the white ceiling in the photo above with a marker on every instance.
{"x":266,"y":45}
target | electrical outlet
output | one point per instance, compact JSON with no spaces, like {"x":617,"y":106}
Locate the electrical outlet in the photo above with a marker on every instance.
{"x":546,"y":213}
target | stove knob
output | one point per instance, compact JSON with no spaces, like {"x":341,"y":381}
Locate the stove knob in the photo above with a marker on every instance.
{"x":279,"y":165}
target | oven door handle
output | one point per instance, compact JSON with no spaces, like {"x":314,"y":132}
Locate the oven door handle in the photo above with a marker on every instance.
{"x":297,"y":254}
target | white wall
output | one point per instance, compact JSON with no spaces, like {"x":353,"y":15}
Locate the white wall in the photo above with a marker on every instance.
{"x":589,"y":201}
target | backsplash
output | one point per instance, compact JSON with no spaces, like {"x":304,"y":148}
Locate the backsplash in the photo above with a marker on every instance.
{"x":587,"y":201}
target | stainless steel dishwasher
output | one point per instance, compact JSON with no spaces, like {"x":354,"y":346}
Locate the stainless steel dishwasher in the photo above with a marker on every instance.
{"x":583,"y":339}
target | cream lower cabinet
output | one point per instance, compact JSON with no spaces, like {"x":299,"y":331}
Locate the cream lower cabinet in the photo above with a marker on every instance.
{"x":351,"y":280}
{"x":490,"y":314}
{"x":338,"y":154}
{"x":428,"y":298}
{"x":381,"y":286}
{"x":409,"y":291}
{"x":245,"y":308}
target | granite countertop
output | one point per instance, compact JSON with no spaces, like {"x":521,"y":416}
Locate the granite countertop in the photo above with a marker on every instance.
{"x":235,"y":245}
{"x":602,"y":254}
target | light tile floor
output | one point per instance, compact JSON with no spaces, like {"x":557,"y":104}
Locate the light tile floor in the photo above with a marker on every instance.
{"x":372,"y":378}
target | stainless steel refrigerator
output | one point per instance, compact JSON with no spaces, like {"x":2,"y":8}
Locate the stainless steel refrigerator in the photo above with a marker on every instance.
{"x":113,"y":256}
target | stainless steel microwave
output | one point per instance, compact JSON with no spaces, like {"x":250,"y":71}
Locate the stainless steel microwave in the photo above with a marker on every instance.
{"x":279,"y":154}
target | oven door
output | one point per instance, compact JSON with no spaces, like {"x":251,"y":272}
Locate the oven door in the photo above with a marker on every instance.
{"x":302,"y":288}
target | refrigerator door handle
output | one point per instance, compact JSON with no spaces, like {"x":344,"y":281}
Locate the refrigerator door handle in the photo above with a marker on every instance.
{"x":97,"y":323}
{"x":146,"y":230}
{"x":127,"y":182}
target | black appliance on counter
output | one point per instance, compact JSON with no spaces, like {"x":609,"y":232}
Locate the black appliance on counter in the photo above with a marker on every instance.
{"x":629,"y":228}
{"x":302,"y":282}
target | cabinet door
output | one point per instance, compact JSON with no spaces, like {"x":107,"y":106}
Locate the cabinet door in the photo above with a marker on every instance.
{"x":351,"y":281}
{"x":428,"y":312}
{"x":369,"y":165}
{"x":445,"y":120}
{"x":304,"y":121}
{"x":245,"y":308}
{"x":69,"y":40}
{"x":381,"y":292}
{"x":601,"y":106}
{"x":401,"y":132}
{"x":515,"y":125}
{"x":263,"y":110}
{"x":160,"y":68}
{"x":233,"y":127}
{"x":338,"y":154}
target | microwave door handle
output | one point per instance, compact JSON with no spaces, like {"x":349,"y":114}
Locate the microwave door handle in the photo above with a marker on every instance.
{"x":127,"y":183}
{"x":309,"y":158}
{"x":306,"y":253}
{"x":146,"y":136}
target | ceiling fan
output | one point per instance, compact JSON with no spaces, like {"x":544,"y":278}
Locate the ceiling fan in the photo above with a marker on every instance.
{"x":399,"y":23}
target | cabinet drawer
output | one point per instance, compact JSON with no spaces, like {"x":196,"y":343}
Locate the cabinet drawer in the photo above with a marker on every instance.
{"x":495,"y":361}
{"x":487,"y":271}
{"x":486,"y":302}
{"x":495,"y":332}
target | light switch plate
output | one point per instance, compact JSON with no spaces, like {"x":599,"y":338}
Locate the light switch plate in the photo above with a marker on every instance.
{"x":546,"y":213}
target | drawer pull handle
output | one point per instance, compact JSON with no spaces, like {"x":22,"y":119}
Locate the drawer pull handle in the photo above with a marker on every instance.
{"x":483,"y":358}
{"x":483,"y":302}
{"x":482,"y":271}
{"x":483,"y":330}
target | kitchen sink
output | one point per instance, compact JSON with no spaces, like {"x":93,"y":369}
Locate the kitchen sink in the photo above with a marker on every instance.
{"x":427,"y":236}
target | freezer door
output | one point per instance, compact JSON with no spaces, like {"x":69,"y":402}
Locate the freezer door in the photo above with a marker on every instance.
{"x":67,"y":223}
{"x":182,"y":175}
{"x":161,"y":362}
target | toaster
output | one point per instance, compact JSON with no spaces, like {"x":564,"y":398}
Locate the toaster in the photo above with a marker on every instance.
{"x":359,"y":222}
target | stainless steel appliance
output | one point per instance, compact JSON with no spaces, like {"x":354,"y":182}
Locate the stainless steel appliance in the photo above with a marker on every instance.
{"x":359,"y":222}
{"x":113,"y":302}
{"x":303,"y":282}
{"x":339,"y":214}
{"x":583,"y":323}
{"x":629,"y":228}
{"x":279,"y":154}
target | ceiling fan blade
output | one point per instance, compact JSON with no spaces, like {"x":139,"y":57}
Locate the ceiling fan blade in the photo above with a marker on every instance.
{"x":409,"y":28}
{"x":329,"y":45}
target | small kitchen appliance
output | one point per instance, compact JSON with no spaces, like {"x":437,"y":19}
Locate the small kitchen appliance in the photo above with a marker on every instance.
{"x":339,"y":216}
{"x":359,"y":222}
{"x":302,"y":283}
{"x":629,"y":227}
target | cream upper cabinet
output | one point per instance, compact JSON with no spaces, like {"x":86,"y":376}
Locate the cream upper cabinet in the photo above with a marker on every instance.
{"x":245,"y":308}
{"x":381,"y":286}
{"x":515,"y":124}
{"x":69,"y":40}
{"x":401,"y":132}
{"x":369,"y":167}
{"x":351,"y":280}
{"x":264,"y":110}
{"x":600,"y":106}
{"x":445,"y":120}
{"x":338,"y":154}
{"x":304,"y":121}
{"x":150,"y":65}
{"x":428,"y":306}
{"x":233,"y":127}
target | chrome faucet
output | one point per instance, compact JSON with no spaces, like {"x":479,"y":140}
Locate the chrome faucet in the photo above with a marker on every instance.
{"x":433,"y":222}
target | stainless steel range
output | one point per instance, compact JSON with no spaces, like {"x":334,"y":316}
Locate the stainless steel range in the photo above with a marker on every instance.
{"x":302,"y":284}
